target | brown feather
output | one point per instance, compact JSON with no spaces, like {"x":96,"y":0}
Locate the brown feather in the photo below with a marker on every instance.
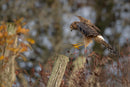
{"x":87,"y":41}
{"x":89,"y":31}
{"x":102,"y":41}
{"x":88,"y":22}
{"x":86,"y":30}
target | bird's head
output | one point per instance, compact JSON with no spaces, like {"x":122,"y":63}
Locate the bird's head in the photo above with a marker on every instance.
{"x":73,"y":26}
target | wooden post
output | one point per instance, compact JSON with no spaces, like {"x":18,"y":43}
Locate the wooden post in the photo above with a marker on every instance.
{"x":58,"y":71}
{"x":78,"y":65}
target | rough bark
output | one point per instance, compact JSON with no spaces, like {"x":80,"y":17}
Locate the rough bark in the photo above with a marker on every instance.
{"x":78,"y":66}
{"x":58,"y":71}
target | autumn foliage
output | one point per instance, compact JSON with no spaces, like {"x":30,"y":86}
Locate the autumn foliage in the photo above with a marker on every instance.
{"x":86,"y":71}
{"x":8,"y":35}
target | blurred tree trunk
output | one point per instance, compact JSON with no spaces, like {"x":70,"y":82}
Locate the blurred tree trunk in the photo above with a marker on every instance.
{"x":7,"y":75}
{"x":7,"y":65}
{"x":103,"y":19}
{"x":21,"y":78}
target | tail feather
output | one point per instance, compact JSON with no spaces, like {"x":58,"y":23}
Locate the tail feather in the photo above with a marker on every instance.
{"x":101,"y":40}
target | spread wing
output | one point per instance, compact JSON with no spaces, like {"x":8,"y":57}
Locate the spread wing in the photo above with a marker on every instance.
{"x":86,"y":30}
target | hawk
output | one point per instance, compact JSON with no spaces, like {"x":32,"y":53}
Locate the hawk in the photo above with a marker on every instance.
{"x":89,"y":32}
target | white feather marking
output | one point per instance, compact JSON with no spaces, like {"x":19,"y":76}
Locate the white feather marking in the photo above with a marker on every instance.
{"x":101,"y":37}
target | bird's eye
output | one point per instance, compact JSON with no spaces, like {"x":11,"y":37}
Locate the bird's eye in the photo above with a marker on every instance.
{"x":84,"y":31}
{"x":80,"y":28}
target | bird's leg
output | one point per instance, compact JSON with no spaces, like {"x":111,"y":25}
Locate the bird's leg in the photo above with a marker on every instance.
{"x":87,"y":41}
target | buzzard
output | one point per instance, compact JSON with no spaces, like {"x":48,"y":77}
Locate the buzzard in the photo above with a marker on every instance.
{"x":90,"y":32}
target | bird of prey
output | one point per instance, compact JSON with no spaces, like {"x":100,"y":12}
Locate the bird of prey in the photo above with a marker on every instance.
{"x":90,"y":32}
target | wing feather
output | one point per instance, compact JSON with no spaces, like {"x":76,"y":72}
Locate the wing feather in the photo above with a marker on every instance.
{"x":86,"y":30}
{"x":100,"y":39}
{"x":82,"y":19}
